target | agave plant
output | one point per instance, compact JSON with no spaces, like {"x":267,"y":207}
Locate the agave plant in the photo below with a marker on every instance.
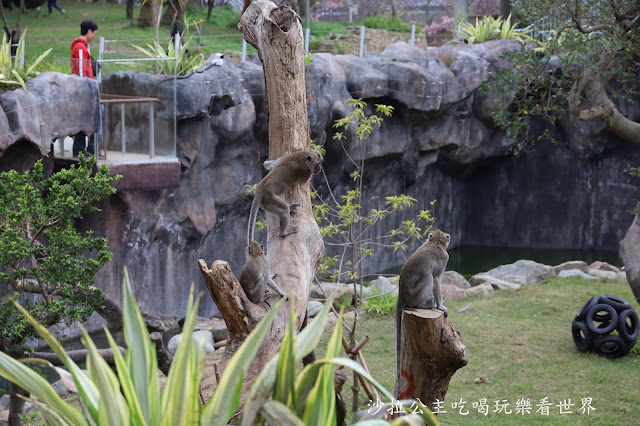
{"x":490,"y":28}
{"x":11,"y":73}
{"x":169,"y":61}
{"x":132,"y":396}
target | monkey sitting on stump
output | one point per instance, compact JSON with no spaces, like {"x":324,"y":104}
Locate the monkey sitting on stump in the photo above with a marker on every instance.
{"x":256,"y":275}
{"x":286,"y":171}
{"x":419,"y":285}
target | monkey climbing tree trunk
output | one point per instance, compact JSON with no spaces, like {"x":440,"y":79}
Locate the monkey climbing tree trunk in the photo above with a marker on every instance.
{"x":431,"y":352}
{"x":277,"y":34}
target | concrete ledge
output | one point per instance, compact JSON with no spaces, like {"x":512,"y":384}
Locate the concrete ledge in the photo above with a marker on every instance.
{"x":146,"y":174}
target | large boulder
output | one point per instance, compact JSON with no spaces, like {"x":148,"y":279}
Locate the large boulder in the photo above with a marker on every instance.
{"x":454,"y":278}
{"x":482,"y":290}
{"x":452,"y":292}
{"x":630,"y":254}
{"x":497,"y":283}
{"x":384,"y":286}
{"x":523,"y":272}
{"x":572,"y":264}
{"x":575,"y":273}
{"x":55,"y":105}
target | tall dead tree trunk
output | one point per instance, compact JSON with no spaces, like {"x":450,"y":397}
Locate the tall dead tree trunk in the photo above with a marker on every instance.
{"x":277,"y":34}
{"x":431,"y":352}
{"x":630,"y":254}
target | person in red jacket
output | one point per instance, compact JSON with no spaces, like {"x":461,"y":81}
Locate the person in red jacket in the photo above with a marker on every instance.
{"x":88,"y":30}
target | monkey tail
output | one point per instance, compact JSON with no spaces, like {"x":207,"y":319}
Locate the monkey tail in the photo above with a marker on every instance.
{"x":253,"y":215}
{"x":399,"y":308}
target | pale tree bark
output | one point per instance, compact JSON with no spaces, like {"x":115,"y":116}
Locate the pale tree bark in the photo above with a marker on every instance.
{"x":599,"y":105}
{"x":630,"y":254}
{"x":277,"y":34}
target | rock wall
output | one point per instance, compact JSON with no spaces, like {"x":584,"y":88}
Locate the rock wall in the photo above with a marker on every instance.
{"x":440,"y":144}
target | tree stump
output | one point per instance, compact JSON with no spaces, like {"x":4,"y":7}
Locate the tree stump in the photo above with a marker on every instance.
{"x":277,"y":34}
{"x":431,"y":351}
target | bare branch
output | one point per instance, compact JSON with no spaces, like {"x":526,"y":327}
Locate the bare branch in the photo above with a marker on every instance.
{"x":76,"y":356}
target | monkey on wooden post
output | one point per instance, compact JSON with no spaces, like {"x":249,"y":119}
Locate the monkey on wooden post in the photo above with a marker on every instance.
{"x":286,"y":171}
{"x":420,"y":285}
{"x":256,"y":275}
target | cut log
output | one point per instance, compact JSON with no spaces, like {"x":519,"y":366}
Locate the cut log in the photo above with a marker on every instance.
{"x":431,"y":351}
{"x":77,"y":356}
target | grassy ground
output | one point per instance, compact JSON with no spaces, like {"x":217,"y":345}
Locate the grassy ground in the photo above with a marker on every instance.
{"x":519,"y":345}
{"x":57,"y":31}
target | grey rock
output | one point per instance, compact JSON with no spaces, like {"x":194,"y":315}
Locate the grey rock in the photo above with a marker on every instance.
{"x":452,"y":292}
{"x":313,"y":308}
{"x":52,"y":108}
{"x":383,"y":285}
{"x":60,"y":388}
{"x":574,"y":273}
{"x":482,"y":290}
{"x":622,"y":275}
{"x":602,"y":274}
{"x":604,"y":266}
{"x":497,"y":283}
{"x":454,"y":278}
{"x":572,"y":264}
{"x":216,"y":326}
{"x":4,"y":402}
{"x":318,"y":291}
{"x":532,"y":271}
{"x":464,"y":309}
{"x":200,"y":337}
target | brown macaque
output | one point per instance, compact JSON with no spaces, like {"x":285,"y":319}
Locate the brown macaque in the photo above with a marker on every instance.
{"x":256,"y":275}
{"x":420,"y":281}
{"x":286,"y":171}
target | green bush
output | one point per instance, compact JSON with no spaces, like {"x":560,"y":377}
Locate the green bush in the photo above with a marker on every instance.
{"x":185,"y":63}
{"x":378,"y":304}
{"x":12,"y":75}
{"x":224,"y":16}
{"x":489,"y":28}
{"x":278,"y":394}
{"x":386,"y":22}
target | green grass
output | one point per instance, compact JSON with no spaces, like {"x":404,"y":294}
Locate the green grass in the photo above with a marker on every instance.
{"x":519,"y":345}
{"x":220,"y":33}
{"x":57,"y":31}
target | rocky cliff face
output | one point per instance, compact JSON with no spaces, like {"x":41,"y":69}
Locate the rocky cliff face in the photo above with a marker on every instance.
{"x":440,"y":144}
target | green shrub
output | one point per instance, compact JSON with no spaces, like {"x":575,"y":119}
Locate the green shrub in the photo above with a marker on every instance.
{"x":185,"y":63}
{"x":132,"y":396}
{"x":12,"y":75}
{"x":386,"y":22}
{"x":224,"y":16}
{"x":379,"y":304}
{"x":489,"y":28}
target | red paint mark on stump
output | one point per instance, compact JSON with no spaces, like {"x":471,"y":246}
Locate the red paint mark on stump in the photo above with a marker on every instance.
{"x":410,"y":386}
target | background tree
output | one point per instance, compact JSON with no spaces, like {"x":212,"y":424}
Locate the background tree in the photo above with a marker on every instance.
{"x":41,"y":251}
{"x":588,"y":64}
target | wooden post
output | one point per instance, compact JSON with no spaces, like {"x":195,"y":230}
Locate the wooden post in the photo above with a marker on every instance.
{"x":431,"y":351}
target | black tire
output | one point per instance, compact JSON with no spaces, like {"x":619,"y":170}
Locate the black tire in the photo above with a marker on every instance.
{"x":611,"y":313}
{"x":618,"y":303}
{"x":582,"y":343}
{"x":582,"y":312}
{"x":611,"y":346}
{"x":626,"y":332}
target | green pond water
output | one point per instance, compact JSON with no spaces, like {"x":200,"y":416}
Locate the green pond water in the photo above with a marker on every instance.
{"x":471,"y":260}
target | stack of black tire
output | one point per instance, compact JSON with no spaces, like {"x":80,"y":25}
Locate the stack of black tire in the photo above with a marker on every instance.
{"x":598,"y":319}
